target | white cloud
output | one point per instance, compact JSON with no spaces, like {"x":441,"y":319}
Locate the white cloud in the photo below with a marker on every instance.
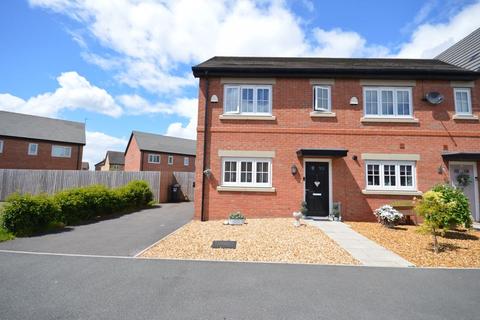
{"x":97,"y":145}
{"x":74,"y":92}
{"x":429,"y":39}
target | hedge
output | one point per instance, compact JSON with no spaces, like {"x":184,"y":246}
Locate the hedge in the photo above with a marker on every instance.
{"x":27,"y":214}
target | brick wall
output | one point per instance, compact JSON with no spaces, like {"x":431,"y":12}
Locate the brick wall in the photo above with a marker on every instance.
{"x":15,"y":155}
{"x":294,"y":129}
{"x":133,"y":156}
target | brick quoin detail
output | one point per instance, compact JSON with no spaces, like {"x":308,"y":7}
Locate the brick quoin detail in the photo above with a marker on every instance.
{"x":294,"y":129}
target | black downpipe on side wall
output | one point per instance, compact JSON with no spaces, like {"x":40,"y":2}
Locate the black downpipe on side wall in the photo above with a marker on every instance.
{"x":205,"y":126}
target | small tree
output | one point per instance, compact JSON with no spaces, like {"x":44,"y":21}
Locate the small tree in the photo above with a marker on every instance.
{"x":434,"y":210}
{"x":443,"y":208}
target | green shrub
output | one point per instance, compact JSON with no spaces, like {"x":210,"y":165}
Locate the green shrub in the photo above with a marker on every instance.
{"x":460,"y":211}
{"x":27,"y":214}
{"x":135,"y":194}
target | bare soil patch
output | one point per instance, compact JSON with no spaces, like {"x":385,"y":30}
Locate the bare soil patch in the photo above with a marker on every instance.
{"x":266,"y":240}
{"x":459,"y":248}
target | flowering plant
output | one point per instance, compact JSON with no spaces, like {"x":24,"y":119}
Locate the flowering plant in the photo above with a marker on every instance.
{"x":388,"y":216}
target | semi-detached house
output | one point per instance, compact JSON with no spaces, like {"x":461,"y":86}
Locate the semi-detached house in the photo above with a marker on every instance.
{"x":349,"y":133}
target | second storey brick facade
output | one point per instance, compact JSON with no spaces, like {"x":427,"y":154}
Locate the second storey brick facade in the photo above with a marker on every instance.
{"x":352,"y":134}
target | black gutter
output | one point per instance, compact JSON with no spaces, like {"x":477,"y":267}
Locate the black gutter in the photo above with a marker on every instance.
{"x":205,"y":126}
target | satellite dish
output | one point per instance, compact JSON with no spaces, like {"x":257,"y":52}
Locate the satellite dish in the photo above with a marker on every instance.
{"x":434,"y":97}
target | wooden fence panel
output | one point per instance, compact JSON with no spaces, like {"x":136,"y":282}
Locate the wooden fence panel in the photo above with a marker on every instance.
{"x":186,"y":180}
{"x":52,"y":181}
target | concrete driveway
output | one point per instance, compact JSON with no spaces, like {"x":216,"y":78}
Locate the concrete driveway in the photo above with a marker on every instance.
{"x":123,"y":236}
{"x":66,"y":287}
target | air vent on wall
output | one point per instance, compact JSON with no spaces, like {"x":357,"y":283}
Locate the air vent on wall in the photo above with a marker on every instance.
{"x":434,"y":97}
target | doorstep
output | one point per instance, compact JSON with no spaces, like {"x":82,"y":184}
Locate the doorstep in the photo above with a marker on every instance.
{"x":368,"y":252}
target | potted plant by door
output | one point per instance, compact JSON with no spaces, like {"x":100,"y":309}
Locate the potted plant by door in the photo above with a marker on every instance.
{"x":236,"y":218}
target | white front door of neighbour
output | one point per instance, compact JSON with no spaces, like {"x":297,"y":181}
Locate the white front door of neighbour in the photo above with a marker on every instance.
{"x":463,"y":175}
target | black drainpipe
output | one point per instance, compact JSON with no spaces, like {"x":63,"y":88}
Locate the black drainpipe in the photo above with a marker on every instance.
{"x":205,"y":125}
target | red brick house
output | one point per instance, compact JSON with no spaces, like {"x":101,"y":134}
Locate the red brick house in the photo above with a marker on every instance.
{"x":154,"y":152}
{"x":348,"y":133}
{"x":31,"y":142}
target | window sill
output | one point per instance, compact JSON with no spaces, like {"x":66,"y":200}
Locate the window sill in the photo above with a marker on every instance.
{"x":393,"y":192}
{"x":246,"y":117}
{"x":469,"y":117}
{"x":323,"y":114}
{"x":388,"y":120}
{"x":245,"y":189}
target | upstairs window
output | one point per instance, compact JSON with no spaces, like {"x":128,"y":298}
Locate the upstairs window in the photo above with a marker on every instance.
{"x":186,"y":161}
{"x":248,"y":99}
{"x":322,"y":98}
{"x":463,"y":101}
{"x":170,"y":160}
{"x":61,"y":151}
{"x":153,"y":158}
{"x":1,"y":146}
{"x":32,"y":149}
{"x":387,"y":102}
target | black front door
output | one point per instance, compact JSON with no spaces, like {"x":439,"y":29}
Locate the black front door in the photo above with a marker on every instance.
{"x":316,"y":188}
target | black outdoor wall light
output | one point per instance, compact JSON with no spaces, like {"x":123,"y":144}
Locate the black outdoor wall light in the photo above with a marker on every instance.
{"x":293,"y":169}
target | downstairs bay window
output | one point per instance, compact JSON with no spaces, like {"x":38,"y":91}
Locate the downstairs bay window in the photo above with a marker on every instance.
{"x":247,"y":172}
{"x":390,"y":175}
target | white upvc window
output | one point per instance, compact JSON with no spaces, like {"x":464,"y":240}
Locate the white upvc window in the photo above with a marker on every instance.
{"x":247,"y":99}
{"x":463,"y":101}
{"x":247,"y":172}
{"x":387,"y":102}
{"x":170,"y":160}
{"x":1,"y":146}
{"x":186,"y":161}
{"x":153,"y":158}
{"x":32,"y":149}
{"x":322,"y":98}
{"x":61,"y":151}
{"x":390,"y":175}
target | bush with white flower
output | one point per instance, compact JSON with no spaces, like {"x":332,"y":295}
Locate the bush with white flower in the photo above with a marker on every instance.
{"x":388,"y":216}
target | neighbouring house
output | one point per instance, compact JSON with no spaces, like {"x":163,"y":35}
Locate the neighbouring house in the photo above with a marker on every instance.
{"x":465,"y":53}
{"x":113,"y":161}
{"x":154,"y":152}
{"x":32,"y":142}
{"x":349,"y":134}
{"x":85,"y":166}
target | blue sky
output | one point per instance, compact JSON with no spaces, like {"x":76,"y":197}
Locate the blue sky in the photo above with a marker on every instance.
{"x":125,"y":65}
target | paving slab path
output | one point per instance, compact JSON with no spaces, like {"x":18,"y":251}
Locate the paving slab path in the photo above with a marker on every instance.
{"x":368,"y":252}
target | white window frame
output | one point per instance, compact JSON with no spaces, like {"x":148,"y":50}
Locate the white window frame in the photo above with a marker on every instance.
{"x":239,"y":107}
{"x":397,"y":165}
{"x":34,"y":152}
{"x":254,"y":182}
{"x":186,"y":161}
{"x":329,"y":98}
{"x":1,"y":146}
{"x":469,"y":100}
{"x":170,"y":160}
{"x":152,"y":156}
{"x":395,"y":103}
{"x":64,"y":154}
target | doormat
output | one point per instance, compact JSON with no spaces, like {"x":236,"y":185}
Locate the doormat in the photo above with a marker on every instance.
{"x":224,"y":244}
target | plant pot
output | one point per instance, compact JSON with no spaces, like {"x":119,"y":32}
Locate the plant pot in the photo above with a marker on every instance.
{"x":236,"y":221}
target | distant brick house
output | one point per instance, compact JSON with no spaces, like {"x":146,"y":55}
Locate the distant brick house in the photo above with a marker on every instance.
{"x":32,"y":142}
{"x":154,"y":152}
{"x":349,"y":133}
{"x":113,"y":161}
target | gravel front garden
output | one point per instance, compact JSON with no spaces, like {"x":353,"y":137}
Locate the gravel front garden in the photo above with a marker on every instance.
{"x":265,"y":240}
{"x":458,"y":248}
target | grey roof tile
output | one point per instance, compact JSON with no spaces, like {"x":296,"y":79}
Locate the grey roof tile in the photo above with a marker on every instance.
{"x":160,"y":143}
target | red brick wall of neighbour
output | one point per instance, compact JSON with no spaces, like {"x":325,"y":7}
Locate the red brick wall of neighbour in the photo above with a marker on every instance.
{"x":294,"y":129}
{"x":164,"y":166}
{"x":15,"y":155}
{"x":133,"y":156}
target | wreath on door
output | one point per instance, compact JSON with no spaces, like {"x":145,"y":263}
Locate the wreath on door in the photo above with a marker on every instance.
{"x":464,"y":180}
